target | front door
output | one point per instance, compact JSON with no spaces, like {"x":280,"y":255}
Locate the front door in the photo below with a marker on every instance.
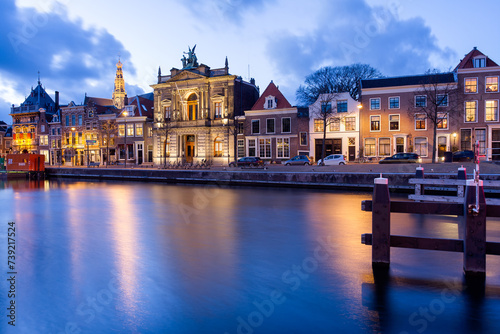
{"x":352,"y":153}
{"x":441,"y":146}
{"x":139,"y":154}
{"x":189,"y":149}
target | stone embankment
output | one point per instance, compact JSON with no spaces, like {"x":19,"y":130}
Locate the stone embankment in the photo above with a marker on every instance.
{"x":349,"y":177}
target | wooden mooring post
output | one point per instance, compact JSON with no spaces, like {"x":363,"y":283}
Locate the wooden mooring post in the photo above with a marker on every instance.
{"x":472,"y":209}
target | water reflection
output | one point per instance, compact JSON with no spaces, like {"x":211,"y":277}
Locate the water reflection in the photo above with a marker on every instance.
{"x":152,"y":258}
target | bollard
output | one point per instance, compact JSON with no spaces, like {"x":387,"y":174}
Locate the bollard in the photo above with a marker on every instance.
{"x":381,"y":224}
{"x":475,"y":230}
{"x":419,"y":174}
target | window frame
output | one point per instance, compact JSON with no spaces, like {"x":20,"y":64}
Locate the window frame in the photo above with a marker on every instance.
{"x":426,"y":146}
{"x":496,"y":110}
{"x":447,"y":100}
{"x":465,"y":111}
{"x":445,"y":118}
{"x":375,"y":99}
{"x":289,"y":124}
{"x":465,"y":85}
{"x":425,"y":122}
{"x":300,"y":138}
{"x":486,"y":84}
{"x":342,"y":103}
{"x":273,"y":123}
{"x":379,"y":123}
{"x":399,"y":122}
{"x":389,"y":102}
{"x":255,"y":121}
{"x":425,"y":101}
{"x":353,"y":118}
{"x":374,"y":147}
{"x":388,"y":154}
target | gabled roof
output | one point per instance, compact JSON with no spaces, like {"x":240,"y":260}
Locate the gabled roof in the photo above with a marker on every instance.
{"x":98,"y":101}
{"x":467,"y":61}
{"x":144,"y":107}
{"x":414,"y":80}
{"x":39,"y":96}
{"x":282,"y":102}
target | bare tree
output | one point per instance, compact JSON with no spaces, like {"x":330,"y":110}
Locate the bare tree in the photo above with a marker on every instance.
{"x":108,"y":129}
{"x":438,"y":100}
{"x":335,"y":80}
{"x":325,"y":110}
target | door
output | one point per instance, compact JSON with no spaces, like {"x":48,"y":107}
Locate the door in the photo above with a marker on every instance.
{"x":352,"y":153}
{"x":139,"y":154}
{"x":400,"y":145}
{"x":336,"y":146}
{"x":441,"y":146}
{"x":319,"y":148}
{"x":189,"y":148}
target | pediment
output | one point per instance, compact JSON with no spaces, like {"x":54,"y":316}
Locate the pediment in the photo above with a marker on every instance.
{"x":166,"y":101}
{"x":186,"y":75}
{"x":217,"y":96}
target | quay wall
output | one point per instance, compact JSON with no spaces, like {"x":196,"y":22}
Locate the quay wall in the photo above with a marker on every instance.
{"x":251,"y":177}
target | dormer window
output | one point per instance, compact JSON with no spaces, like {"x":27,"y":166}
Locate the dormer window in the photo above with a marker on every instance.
{"x":479,"y":62}
{"x":271,"y":102}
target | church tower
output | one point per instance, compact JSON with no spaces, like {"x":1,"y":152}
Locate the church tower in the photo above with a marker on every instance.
{"x":119,"y":93}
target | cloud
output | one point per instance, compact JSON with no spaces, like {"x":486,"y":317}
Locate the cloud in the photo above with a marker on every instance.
{"x":229,"y":10}
{"x":66,"y":54}
{"x":350,"y":32}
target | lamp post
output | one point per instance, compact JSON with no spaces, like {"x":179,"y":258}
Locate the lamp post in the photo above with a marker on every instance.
{"x":125,"y":114}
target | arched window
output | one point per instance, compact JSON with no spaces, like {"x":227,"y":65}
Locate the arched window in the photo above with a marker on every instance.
{"x":192,"y":107}
{"x":217,"y":147}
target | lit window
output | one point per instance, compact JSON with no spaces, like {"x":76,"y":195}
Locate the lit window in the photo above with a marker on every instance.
{"x":130,"y":130}
{"x":394,"y":122}
{"x":265,"y":147}
{"x":394,"y":102}
{"x":375,"y":104}
{"x":421,"y":146}
{"x":335,"y":124}
{"x":350,"y":123}
{"x":217,"y":147}
{"x":420,"y":101}
{"x":121,"y":130}
{"x":471,"y":85}
{"x":374,"y":123}
{"x":370,"y":147}
{"x":384,"y":146}
{"x":420,"y":122}
{"x":442,"y":120}
{"x":318,"y":125}
{"x":491,"y":84}
{"x":283,"y":147}
{"x":470,"y":111}
{"x":138,"y":130}
{"x":491,"y":110}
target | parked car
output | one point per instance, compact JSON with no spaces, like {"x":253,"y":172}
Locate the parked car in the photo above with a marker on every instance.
{"x":247,"y":161}
{"x":400,"y":158}
{"x":333,"y":159}
{"x":299,"y":160}
{"x":463,"y":156}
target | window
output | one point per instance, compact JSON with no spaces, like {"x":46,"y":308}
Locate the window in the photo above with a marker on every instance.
{"x":491,"y":84}
{"x":265,"y":147}
{"x":384,"y":146}
{"x":375,"y":104}
{"x":479,"y":62}
{"x":91,"y":113}
{"x":394,"y":122}
{"x":269,"y":104}
{"x":283,"y":147}
{"x":369,"y":147}
{"x":53,"y":131}
{"x":255,"y":126}
{"x":270,"y":125}
{"x":121,"y":130}
{"x":471,"y":85}
{"x":251,"y":148}
{"x":138,"y":130}
{"x":67,"y":120}
{"x":130,"y":151}
{"x":318,"y":125}
{"x":491,"y":110}
{"x":465,"y":139}
{"x":88,"y":125}
{"x":80,"y":120}
{"x":342,"y":106}
{"x":394,"y":102}
{"x":241,"y":148}
{"x":470,"y":111}
{"x":73,"y":120}
{"x":59,"y":131}
{"x":44,"y":140}
{"x":130,"y":130}
{"x":217,"y":147}
{"x":42,"y":128}
{"x":218,"y":109}
{"x":286,"y":125}
{"x":374,"y":123}
{"x":168,"y":112}
{"x":420,"y":101}
{"x":303,"y":138}
{"x":335,"y":124}
{"x":326,"y":107}
{"x":350,"y":123}
{"x":442,"y":120}
{"x":80,"y":138}
{"x":150,"y":132}
{"x":442,"y":100}
{"x":240,"y":127}
{"x":421,"y":146}
{"x":481,"y":138}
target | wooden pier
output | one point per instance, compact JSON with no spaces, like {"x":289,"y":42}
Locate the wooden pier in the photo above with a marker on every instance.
{"x":472,"y":207}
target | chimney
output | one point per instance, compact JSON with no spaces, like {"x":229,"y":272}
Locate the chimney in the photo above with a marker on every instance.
{"x":57,"y":101}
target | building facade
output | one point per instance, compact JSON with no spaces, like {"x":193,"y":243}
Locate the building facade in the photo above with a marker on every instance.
{"x":273,"y":129}
{"x":195,"y":111}
{"x":340,"y":113}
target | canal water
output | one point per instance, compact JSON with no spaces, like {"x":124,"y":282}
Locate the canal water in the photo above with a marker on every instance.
{"x":111,"y":257}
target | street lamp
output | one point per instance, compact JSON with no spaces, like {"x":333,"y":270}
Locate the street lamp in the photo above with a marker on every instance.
{"x":125,"y":114}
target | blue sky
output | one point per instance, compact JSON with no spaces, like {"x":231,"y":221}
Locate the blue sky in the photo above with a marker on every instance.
{"x":75,"y":43}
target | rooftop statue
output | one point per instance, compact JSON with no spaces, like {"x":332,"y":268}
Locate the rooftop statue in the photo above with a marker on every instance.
{"x":191,"y":61}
